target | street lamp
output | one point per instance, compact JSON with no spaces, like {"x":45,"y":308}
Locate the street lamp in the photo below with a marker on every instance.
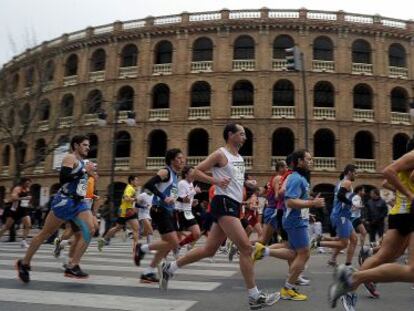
{"x":130,"y":121}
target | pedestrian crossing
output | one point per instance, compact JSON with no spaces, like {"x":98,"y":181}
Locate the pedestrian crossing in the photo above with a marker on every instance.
{"x":112,"y":272}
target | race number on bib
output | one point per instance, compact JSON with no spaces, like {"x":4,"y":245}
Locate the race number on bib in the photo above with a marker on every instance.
{"x":304,"y":213}
{"x":81,"y":188}
{"x":24,"y":203}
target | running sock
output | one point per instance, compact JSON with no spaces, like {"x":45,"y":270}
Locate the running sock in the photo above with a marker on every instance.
{"x":266,"y":252}
{"x":145,"y":248}
{"x":254,"y":292}
{"x":288,"y":285}
{"x":173,"y":267}
{"x":149,"y":270}
{"x":186,"y":240}
{"x":149,"y":238}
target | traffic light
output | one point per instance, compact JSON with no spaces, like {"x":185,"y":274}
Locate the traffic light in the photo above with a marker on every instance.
{"x":293,"y":58}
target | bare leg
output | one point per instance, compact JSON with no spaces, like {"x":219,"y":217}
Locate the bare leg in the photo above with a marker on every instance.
{"x":298,"y":264}
{"x":86,"y":220}
{"x":27,"y":225}
{"x":9,"y":223}
{"x":169,"y":242}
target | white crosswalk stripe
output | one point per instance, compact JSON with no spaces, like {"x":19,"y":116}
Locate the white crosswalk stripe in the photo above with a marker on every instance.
{"x":111,"y":269}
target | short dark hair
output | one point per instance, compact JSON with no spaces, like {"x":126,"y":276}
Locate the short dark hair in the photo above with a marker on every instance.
{"x":298,"y":155}
{"x":289,"y":160}
{"x":348,"y":168}
{"x":171,"y":154}
{"x":77,"y":139}
{"x":229,"y":128}
{"x":376,"y":191}
{"x":131,"y":178}
{"x":279,"y":164}
{"x":186,"y":170}
{"x":23,"y":180}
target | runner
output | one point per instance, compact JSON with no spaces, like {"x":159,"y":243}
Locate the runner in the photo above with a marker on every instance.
{"x":144,"y":202}
{"x":68,"y":204}
{"x":357,"y":206}
{"x":228,"y":170}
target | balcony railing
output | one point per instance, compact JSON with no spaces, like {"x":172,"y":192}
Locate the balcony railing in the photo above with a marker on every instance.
{"x":275,"y":159}
{"x":162,"y":69}
{"x":363,"y":115}
{"x":121,"y":164}
{"x":159,"y":114}
{"x":324,"y":164}
{"x":123,"y":116}
{"x":48,"y":86}
{"x":324,"y":113}
{"x":128,"y":72}
{"x":70,"y":80}
{"x":248,"y":162}
{"x":244,"y":64}
{"x":365,"y":165}
{"x":279,"y":64}
{"x":323,"y":66}
{"x":204,"y":66}
{"x":39,"y":168}
{"x":65,"y":122}
{"x":97,"y":76}
{"x":362,"y":68}
{"x":398,"y":72}
{"x":90,"y":119}
{"x":283,"y":112}
{"x":242,"y":112}
{"x":400,"y":117}
{"x":43,"y":125}
{"x":4,"y":171}
{"x":199,"y":113}
{"x":154,"y":163}
{"x":194,"y":161}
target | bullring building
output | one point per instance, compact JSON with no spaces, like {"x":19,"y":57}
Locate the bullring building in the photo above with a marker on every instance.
{"x":184,"y":76}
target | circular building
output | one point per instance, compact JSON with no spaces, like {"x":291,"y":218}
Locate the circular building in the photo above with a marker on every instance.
{"x":185,"y":76}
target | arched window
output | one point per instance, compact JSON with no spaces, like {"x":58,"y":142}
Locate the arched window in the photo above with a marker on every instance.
{"x":323,"y":94}
{"x":71,"y":65}
{"x":243,"y":93}
{"x":198,"y":143}
{"x":280,"y":44}
{"x":200,"y":94}
{"x":324,"y":144}
{"x":202,"y":50}
{"x":93,"y":145}
{"x":244,"y":48}
{"x":40,"y":150}
{"x":122,"y":145}
{"x":25,"y":114}
{"x":283,"y":142}
{"x":5,"y":159}
{"x":11,"y":118}
{"x":161,"y":96}
{"x":399,"y":143}
{"x":362,"y":97}
{"x":29,"y":77}
{"x":399,"y":100}
{"x":15,"y":82}
{"x":361,"y":52}
{"x":163,"y":52}
{"x":397,"y":55}
{"x":323,"y":49}
{"x":94,"y":102}
{"x":21,"y":152}
{"x":157,"y":144}
{"x":247,"y":149}
{"x":44,"y":111}
{"x":49,"y":71}
{"x":129,"y":55}
{"x":125,"y":98}
{"x":98,"y":60}
{"x":364,"y":145}
{"x":283,"y":93}
{"x":67,"y":105}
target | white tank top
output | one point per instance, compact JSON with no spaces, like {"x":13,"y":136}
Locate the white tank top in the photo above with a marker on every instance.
{"x":235,"y":170}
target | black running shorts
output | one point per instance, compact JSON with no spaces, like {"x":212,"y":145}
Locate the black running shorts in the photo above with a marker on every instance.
{"x":184,"y":223}
{"x":222,"y":205}
{"x":403,"y":223}
{"x":163,"y":219}
{"x":124,"y":220}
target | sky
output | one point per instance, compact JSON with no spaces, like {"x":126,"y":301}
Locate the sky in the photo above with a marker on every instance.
{"x":25,"y":23}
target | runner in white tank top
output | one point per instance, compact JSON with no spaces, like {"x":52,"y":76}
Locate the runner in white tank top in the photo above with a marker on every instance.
{"x":228,"y":176}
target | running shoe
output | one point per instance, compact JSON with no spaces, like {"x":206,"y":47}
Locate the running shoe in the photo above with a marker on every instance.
{"x":149,"y":278}
{"x":315,"y":242}
{"x":58,"y":248}
{"x":332,"y":263}
{"x":165,"y":276}
{"x":292,"y":294}
{"x":101,"y":244}
{"x":138,"y":254}
{"x":258,"y":251}
{"x":341,"y":285}
{"x":232,"y":251}
{"x":372,"y":289}
{"x":302,"y":281}
{"x":23,"y":271}
{"x":263,"y":300}
{"x":75,"y":272}
{"x":24,"y":244}
{"x":349,"y":301}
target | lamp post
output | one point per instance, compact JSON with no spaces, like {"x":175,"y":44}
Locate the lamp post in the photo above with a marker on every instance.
{"x":102,"y":116}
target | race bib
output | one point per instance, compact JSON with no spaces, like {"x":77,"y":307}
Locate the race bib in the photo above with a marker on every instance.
{"x":304,"y":213}
{"x":188,"y":215}
{"x":24,"y":203}
{"x":174,"y":193}
{"x":81,"y":188}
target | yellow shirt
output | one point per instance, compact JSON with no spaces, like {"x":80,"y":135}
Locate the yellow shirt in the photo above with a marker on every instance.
{"x":125,"y":205}
{"x":402,"y":204}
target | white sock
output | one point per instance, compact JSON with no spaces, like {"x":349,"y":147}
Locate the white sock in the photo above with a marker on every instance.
{"x":173,"y":267}
{"x":253,"y":292}
{"x":266,"y":252}
{"x":288,"y":285}
{"x":64,"y":243}
{"x":149,"y":270}
{"x":149,"y":238}
{"x":145,"y":248}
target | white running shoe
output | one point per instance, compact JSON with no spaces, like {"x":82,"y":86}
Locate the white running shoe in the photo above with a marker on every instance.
{"x":24,"y":244}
